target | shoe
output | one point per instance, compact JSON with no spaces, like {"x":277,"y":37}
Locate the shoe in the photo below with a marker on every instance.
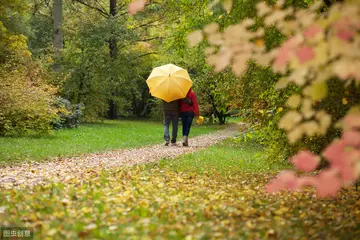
{"x":166,"y":144}
{"x":185,"y":141}
{"x":173,"y":144}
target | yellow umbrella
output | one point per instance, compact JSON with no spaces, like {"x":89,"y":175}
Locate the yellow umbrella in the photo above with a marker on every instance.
{"x":169,"y":82}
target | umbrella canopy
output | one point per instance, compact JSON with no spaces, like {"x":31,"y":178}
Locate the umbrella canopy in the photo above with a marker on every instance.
{"x":169,"y":82}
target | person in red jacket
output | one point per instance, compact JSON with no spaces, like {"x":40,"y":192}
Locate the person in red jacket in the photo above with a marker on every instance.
{"x":189,"y":108}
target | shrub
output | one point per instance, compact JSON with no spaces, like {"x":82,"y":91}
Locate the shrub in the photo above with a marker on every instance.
{"x":25,"y":100}
{"x":70,"y":115}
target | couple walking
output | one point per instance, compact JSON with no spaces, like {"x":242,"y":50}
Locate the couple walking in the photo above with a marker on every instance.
{"x":187,"y":108}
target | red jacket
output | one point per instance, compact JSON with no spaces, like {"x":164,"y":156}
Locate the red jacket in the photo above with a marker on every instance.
{"x":184,"y":107}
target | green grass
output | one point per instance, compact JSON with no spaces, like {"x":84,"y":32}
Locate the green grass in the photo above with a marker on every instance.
{"x":234,"y":119}
{"x":226,"y":157}
{"x":88,"y":138}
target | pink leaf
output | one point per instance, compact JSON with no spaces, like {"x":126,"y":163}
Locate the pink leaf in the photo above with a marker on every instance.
{"x":328,"y":183}
{"x":348,"y":173}
{"x":344,"y":29}
{"x":305,"y":54}
{"x":343,"y":157}
{"x":313,"y":31}
{"x":348,"y":170}
{"x":282,"y":59}
{"x":345,"y":34}
{"x":305,"y":161}
{"x":284,"y":54}
{"x":335,"y":153}
{"x":136,"y":6}
{"x":352,"y":121}
{"x":292,"y":43}
{"x":274,"y":186}
{"x":285,"y":180}
{"x":306,"y":181}
{"x":352,"y":138}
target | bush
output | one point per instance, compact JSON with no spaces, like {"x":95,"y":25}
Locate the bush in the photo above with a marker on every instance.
{"x":25,"y":100}
{"x":70,"y":115}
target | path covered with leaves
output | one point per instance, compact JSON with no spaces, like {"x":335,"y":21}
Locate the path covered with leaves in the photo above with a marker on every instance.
{"x":148,"y":202}
{"x":63,"y":169}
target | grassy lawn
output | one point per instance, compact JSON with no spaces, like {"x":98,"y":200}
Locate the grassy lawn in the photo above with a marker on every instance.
{"x":88,"y":138}
{"x":222,"y":198}
{"x":226,"y":157}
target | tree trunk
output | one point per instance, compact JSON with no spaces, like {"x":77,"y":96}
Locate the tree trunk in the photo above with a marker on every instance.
{"x":112,"y":113}
{"x":58,"y":36}
{"x":112,"y":40}
{"x":219,"y":115}
{"x":222,"y":118}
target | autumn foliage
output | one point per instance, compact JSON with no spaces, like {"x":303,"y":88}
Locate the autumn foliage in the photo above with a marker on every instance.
{"x":25,"y":97}
{"x":26,"y":102}
{"x":320,"y":47}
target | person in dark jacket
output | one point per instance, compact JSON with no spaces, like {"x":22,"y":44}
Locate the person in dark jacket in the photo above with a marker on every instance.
{"x":189,"y":108}
{"x":170,"y":115}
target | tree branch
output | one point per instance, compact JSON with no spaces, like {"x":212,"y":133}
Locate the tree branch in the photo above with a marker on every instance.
{"x":150,"y":39}
{"x":148,"y":23}
{"x":145,"y":54}
{"x":102,"y":12}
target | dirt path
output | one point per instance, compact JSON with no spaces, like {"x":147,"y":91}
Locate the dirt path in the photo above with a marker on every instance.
{"x":30,"y":174}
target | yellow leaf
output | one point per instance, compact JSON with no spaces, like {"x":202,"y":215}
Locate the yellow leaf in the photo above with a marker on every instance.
{"x":227,"y":4}
{"x":271,"y":233}
{"x":280,"y":109}
{"x":319,"y":91}
{"x":281,"y":211}
{"x":282,"y":83}
{"x":324,"y":120}
{"x":290,"y":120}
{"x":306,"y":108}
{"x":52,"y":232}
{"x":344,"y":101}
{"x":195,"y":38}
{"x":119,"y":210}
{"x":211,"y":28}
{"x":260,"y":42}
{"x":32,"y":217}
{"x":295,"y":135}
{"x":249,"y":225}
{"x":85,"y":210}
{"x":310,"y":128}
{"x":180,"y":179}
{"x":294,"y":101}
{"x":321,"y":52}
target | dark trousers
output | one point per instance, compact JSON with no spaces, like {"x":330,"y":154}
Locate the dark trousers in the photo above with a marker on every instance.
{"x":186,"y":119}
{"x":171,"y":117}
